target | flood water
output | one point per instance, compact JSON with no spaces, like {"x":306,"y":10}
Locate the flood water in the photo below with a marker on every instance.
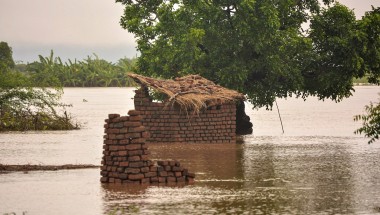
{"x":318,"y":166}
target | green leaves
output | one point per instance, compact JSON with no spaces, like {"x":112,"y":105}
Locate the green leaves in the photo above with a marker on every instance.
{"x":371,"y":122}
{"x":259,"y":47}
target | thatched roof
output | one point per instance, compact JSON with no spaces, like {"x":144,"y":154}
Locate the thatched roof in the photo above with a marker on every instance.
{"x":191,"y":92}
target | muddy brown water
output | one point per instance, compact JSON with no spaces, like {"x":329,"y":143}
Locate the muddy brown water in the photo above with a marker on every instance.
{"x":317,"y":167}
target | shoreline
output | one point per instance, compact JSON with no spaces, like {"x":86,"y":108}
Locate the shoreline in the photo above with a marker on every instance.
{"x":6,"y":168}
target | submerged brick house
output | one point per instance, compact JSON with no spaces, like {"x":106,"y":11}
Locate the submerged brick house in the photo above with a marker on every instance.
{"x":191,"y":109}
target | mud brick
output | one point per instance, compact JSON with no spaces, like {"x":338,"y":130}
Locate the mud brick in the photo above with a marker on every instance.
{"x":132,"y":182}
{"x":144,"y":157}
{"x":114,"y":169}
{"x":111,"y":180}
{"x":132,"y":124}
{"x":154,"y":179}
{"x":133,"y":147}
{"x":177,"y":174}
{"x":153,"y":169}
{"x":111,"y":136}
{"x":103,"y":168}
{"x":136,"y":164}
{"x":170,"y":173}
{"x":162,"y":163}
{"x":113,"y":148}
{"x":138,"y":140}
{"x":161,"y":179}
{"x":150,"y":174}
{"x":123,"y":153}
{"x":167,"y":168}
{"x":104,"y":173}
{"x":144,"y":146}
{"x":109,"y":168}
{"x":191,"y":175}
{"x":123,"y":118}
{"x":134,"y":158}
{"x":181,"y":179}
{"x":145,"y":169}
{"x":117,"y":180}
{"x":177,"y":163}
{"x":133,"y":135}
{"x":118,"y":125}
{"x":106,"y":148}
{"x":104,"y":179}
{"x":132,"y":170}
{"x":135,"y":152}
{"x":177,"y":169}
{"x":185,"y":171}
{"x":137,"y":129}
{"x":135,"y":118}
{"x":124,"y":164}
{"x":123,"y":130}
{"x":123,"y":176}
{"x":120,"y":136}
{"x":121,"y":147}
{"x":121,"y":169}
{"x":145,"y":134}
{"x":135,"y":176}
{"x":190,"y":180}
{"x":125,"y":141}
{"x":107,"y":142}
{"x":148,"y":163}
{"x":160,"y":168}
{"x":112,"y":131}
{"x":124,"y":158}
{"x":171,"y":179}
{"x":146,"y":152}
{"x":163,"y":174}
{"x":171,"y":163}
{"x":145,"y":181}
{"x":113,"y":115}
{"x":133,"y":113}
{"x":106,"y":120}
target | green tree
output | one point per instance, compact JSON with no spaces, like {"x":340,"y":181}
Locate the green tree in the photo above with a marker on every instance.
{"x":258,"y":47}
{"x":6,"y":59}
{"x":23,"y":107}
{"x":371,"y":122}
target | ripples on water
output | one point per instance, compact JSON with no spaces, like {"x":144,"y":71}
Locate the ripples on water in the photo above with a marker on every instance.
{"x":317,"y":167}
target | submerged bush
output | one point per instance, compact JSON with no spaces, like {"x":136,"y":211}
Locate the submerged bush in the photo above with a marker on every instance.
{"x":23,"y":107}
{"x":33,"y":109}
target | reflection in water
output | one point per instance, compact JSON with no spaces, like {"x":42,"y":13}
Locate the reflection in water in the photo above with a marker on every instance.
{"x":317,"y":167}
{"x":309,"y":178}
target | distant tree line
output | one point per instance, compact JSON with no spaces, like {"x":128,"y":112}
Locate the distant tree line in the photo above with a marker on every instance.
{"x":30,"y":93}
{"x":51,"y":71}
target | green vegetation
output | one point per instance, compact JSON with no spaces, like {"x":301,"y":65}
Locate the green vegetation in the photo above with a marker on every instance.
{"x":92,"y":72}
{"x":27,"y":104}
{"x":371,"y":122}
{"x":23,"y":107}
{"x":258,"y":47}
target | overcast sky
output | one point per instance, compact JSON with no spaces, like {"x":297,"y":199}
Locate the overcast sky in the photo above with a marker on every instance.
{"x":78,"y":28}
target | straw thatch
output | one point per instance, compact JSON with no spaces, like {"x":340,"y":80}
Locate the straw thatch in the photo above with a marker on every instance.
{"x":191,"y":92}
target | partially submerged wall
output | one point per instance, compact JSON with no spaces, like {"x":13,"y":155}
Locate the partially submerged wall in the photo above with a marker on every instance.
{"x":126,"y":156}
{"x":170,"y":124}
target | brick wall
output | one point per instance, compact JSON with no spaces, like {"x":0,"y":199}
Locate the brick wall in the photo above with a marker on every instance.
{"x":171,"y":124}
{"x":126,"y":156}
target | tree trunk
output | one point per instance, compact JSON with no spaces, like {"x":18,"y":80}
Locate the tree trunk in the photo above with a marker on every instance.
{"x":243,"y":124}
